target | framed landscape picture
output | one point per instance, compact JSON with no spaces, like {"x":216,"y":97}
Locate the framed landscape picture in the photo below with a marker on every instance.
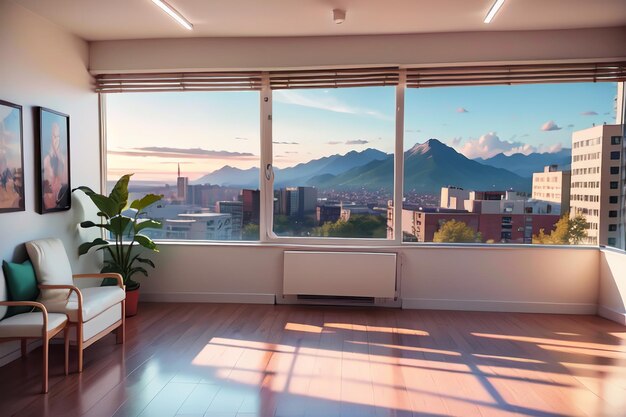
{"x":11,"y":158}
{"x":54,"y":161}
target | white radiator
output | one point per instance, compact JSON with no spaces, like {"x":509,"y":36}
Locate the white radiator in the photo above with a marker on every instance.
{"x":350,"y":274}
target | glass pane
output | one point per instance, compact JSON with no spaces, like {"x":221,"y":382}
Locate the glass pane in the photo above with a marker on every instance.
{"x":509,"y":164}
{"x":333,"y":159}
{"x":199,"y":150}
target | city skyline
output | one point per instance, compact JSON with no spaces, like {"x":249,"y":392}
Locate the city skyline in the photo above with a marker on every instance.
{"x":206,"y":131}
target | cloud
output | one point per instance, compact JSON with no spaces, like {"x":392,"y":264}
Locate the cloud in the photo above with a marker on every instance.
{"x":589,"y":113}
{"x":325,"y":102}
{"x":239,"y":138}
{"x":454,"y":142}
{"x":291,"y":152}
{"x":462,"y":110}
{"x":357,"y":142}
{"x":285,"y":143}
{"x":334,"y":142}
{"x":167,"y":152}
{"x":412,"y":130}
{"x":550,"y":126}
{"x":607,"y":113}
{"x":489,"y":145}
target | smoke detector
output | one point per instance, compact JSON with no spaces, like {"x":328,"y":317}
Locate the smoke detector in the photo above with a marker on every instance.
{"x":339,"y":16}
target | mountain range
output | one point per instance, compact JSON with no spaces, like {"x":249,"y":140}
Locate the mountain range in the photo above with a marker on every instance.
{"x":525,"y":165}
{"x":427,"y":166}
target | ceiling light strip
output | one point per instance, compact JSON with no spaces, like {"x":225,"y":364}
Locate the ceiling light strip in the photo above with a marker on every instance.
{"x":494,"y":9}
{"x":174,"y":14}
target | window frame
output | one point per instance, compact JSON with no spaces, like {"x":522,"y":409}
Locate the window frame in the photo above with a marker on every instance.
{"x":266,"y":186}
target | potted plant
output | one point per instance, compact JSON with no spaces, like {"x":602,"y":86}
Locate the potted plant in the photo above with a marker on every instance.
{"x":124,"y":250}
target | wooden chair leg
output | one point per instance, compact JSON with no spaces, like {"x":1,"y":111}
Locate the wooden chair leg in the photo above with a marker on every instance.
{"x":45,"y":365}
{"x":79,"y":345}
{"x":121,"y":331}
{"x":24,"y":347}
{"x":66,"y":341}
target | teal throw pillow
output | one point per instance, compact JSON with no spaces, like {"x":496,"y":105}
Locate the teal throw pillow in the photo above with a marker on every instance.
{"x":21,"y":284}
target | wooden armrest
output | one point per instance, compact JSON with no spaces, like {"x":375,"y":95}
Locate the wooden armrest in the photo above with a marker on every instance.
{"x":71,"y":288}
{"x":25,"y":304}
{"x":114,"y":275}
{"x":34,"y":304}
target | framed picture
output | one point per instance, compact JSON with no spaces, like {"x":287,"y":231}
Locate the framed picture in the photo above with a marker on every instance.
{"x":54,"y":161}
{"x":11,"y":158}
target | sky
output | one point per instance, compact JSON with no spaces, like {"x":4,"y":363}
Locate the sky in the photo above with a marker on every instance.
{"x":150,"y":133}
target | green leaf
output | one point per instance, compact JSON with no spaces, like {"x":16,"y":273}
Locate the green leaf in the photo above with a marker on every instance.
{"x":119,"y":224}
{"x":85,"y":190}
{"x":84,"y":248}
{"x":146,"y":242}
{"x":136,"y":269}
{"x":147,"y":224}
{"x":107,"y":206}
{"x":119,"y":194}
{"x":145,"y":201}
{"x":87,"y":224}
{"x":145,"y":261}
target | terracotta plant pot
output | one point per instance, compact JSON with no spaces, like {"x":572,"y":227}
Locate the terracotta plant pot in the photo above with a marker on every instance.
{"x":132,"y":300}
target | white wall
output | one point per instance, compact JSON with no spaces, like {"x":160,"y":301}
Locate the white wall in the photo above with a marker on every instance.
{"x":333,"y":51}
{"x":612,"y":297}
{"x":556,"y":280}
{"x":42,"y":65}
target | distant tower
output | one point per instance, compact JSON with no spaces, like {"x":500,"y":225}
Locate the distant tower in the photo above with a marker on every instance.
{"x":181,"y":185}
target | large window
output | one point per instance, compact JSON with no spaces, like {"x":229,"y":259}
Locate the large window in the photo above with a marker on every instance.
{"x":522,"y":163}
{"x":200,"y":150}
{"x":508,"y":164}
{"x":334,"y":163}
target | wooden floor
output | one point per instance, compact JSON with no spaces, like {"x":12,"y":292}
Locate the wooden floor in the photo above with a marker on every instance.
{"x":246,"y":360}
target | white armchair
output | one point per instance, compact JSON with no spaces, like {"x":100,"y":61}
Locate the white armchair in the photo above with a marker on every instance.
{"x":94,"y":311}
{"x":32,"y":325}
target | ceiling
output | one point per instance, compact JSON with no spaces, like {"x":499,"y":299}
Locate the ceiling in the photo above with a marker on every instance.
{"x":141,"y":19}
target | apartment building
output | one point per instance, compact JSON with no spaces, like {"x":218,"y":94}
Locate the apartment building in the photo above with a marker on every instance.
{"x":553,"y":185}
{"x":596,"y":181}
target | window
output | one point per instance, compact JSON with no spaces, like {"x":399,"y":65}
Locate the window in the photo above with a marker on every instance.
{"x":612,"y":213}
{"x":616,"y":140}
{"x":613,"y":199}
{"x":200,"y":150}
{"x":469,"y":156}
{"x":468,"y":152}
{"x":612,"y":227}
{"x":334,"y":162}
{"x":612,"y":241}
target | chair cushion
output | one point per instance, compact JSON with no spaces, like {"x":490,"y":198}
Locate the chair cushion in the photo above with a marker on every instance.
{"x":29,"y":324}
{"x":21,"y":285}
{"x":95,"y":301}
{"x":52,"y":267}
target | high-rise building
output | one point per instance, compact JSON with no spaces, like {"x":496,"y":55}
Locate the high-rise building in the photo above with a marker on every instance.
{"x":596,"y":181}
{"x":307,"y":200}
{"x":235,"y":209}
{"x":251,"y":200}
{"x":181,"y":187}
{"x":552,"y":185}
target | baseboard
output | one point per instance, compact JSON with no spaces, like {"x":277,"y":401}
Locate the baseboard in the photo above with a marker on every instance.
{"x":613,"y":315}
{"x":208,"y":297}
{"x":501,"y":306}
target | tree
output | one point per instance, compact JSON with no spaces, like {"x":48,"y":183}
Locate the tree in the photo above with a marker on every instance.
{"x":358,"y":226}
{"x":566,"y":232}
{"x":250,"y":232}
{"x":454,"y":231}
